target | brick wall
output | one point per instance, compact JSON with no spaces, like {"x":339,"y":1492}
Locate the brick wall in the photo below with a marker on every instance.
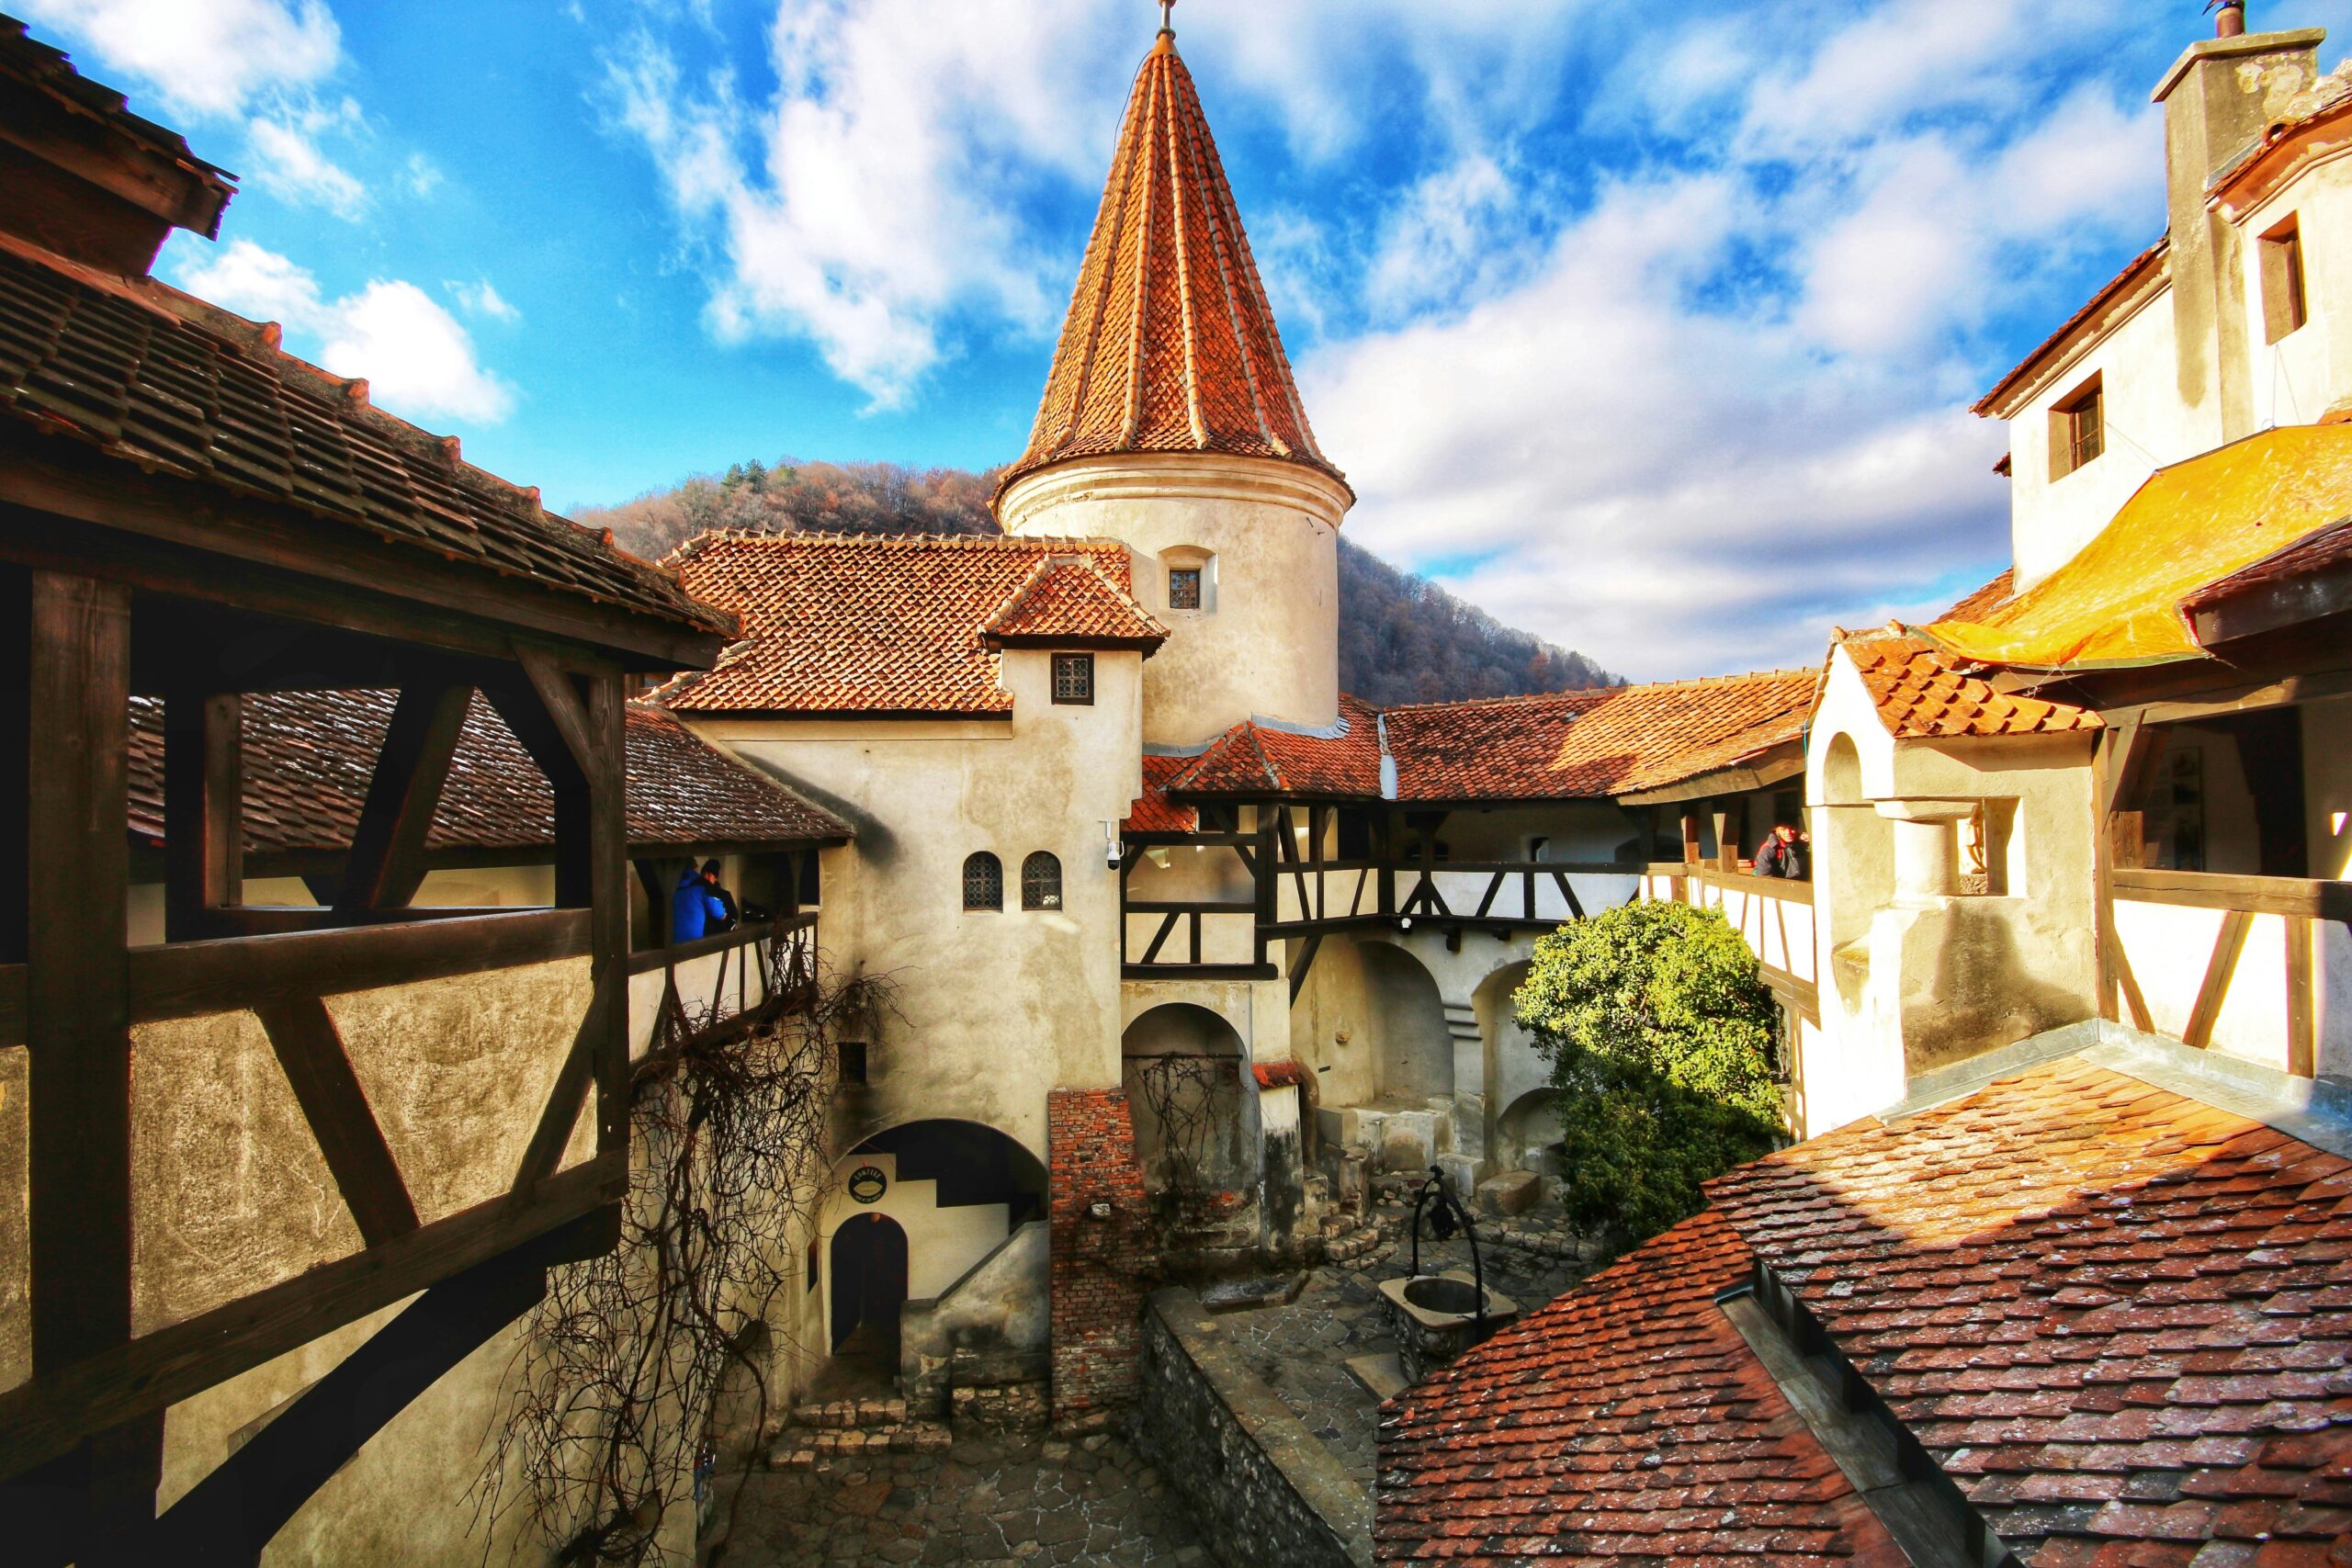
{"x":1100,"y":1260}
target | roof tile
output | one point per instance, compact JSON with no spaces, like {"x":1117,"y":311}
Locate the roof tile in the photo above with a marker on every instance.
{"x":857,"y":624}
{"x":308,"y":757}
{"x":1921,"y":695}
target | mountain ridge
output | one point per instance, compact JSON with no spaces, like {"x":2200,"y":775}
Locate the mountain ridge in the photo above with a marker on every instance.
{"x":1402,"y":638}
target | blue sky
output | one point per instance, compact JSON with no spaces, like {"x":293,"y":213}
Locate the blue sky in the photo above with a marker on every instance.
{"x":1651,"y":329}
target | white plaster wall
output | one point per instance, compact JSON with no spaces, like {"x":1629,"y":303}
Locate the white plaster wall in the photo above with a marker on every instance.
{"x":1270,"y":645}
{"x":2296,"y":378}
{"x":941,"y":1243}
{"x":991,"y":1009}
{"x":2327,"y":785}
{"x":2149,"y":424}
{"x":2170,"y":947}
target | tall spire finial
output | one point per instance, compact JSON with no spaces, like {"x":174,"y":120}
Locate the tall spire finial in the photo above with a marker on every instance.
{"x":1168,"y":17}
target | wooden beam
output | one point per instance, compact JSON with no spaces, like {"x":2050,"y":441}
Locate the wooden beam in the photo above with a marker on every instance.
{"x":2215,"y":991}
{"x":77,"y":1028}
{"x":193,"y":539}
{"x":601,"y":715}
{"x":2134,"y":1001}
{"x":1691,"y":836}
{"x":78,"y":1016}
{"x":562,"y":700}
{"x":1160,"y":938}
{"x":1307,"y":953}
{"x":184,"y":979}
{"x":386,"y":860}
{"x":303,"y":1034}
{"x":15,"y":766}
{"x":519,"y":703}
{"x":204,"y":843}
{"x":1731,"y":818}
{"x":2309,"y":897}
{"x":235,"y":1512}
{"x":44,"y":1416}
{"x":2302,"y":1002}
{"x":1576,"y":906}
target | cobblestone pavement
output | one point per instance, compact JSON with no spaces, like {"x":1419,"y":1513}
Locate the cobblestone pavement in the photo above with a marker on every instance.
{"x":1025,"y":1500}
{"x":1301,"y":1349}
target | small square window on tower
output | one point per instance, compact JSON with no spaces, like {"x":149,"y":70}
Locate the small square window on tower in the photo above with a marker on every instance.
{"x":1074,"y":678}
{"x":1184,"y":587}
{"x":2283,"y":308}
{"x":2078,"y":429}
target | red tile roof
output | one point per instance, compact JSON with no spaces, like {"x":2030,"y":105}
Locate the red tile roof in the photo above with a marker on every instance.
{"x":1153,"y":812}
{"x":1067,"y":602}
{"x":164,"y":383}
{"x":870,"y":625}
{"x":1976,"y":606}
{"x":308,"y":757}
{"x":1582,"y":745}
{"x":1169,"y":345}
{"x":1593,"y":744}
{"x":1921,"y":695}
{"x":1625,"y":1422}
{"x":2134,"y":270}
{"x":2119,"y":1319}
{"x":1260,"y":759}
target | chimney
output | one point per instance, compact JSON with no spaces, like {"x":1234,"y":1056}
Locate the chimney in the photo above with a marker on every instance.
{"x":2220,"y":98}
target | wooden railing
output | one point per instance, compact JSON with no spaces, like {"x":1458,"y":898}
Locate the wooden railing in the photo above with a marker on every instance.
{"x":2153,"y":995}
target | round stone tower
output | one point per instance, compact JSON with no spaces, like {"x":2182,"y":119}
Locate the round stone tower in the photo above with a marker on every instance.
{"x":1171,"y":424}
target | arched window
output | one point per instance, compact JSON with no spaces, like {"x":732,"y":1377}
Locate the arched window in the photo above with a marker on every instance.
{"x":983,"y":880}
{"x":1041,"y":882}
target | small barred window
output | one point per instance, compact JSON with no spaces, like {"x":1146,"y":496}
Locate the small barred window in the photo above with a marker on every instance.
{"x":1073,"y":677}
{"x":983,"y":880}
{"x":1184,"y":587}
{"x":1041,"y":882}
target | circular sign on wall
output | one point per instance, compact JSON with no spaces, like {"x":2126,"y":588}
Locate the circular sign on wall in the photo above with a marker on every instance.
{"x":866,"y":1183}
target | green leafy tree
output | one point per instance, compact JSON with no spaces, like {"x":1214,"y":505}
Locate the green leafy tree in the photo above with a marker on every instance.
{"x":1660,"y":1032}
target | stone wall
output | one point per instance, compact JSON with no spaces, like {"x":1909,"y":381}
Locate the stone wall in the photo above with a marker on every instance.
{"x":1102,"y":1249}
{"x":1263,"y":1489}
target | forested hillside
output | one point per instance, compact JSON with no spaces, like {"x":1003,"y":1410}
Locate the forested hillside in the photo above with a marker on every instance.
{"x":1402,"y":639}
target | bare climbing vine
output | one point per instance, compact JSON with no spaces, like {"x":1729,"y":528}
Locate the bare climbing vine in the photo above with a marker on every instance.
{"x":1182,"y":1092}
{"x":620,"y":1381}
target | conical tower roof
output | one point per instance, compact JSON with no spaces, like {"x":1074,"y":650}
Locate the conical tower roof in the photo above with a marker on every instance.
{"x":1171,"y":345}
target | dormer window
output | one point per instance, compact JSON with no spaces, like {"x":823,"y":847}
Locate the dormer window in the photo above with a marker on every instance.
{"x":1184,"y":587}
{"x":2284,"y":309}
{"x":1074,"y":678}
{"x":2077,"y":429}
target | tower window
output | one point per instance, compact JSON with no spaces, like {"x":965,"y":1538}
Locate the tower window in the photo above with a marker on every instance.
{"x":1041,"y":882}
{"x":1184,"y":587}
{"x":2077,"y":429}
{"x":2284,"y":309}
{"x":853,"y":1060}
{"x":983,"y":880}
{"x":1074,"y":678}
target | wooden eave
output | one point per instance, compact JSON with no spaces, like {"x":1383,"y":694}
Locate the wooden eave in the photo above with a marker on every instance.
{"x":129,"y":158}
{"x":2286,"y":153}
{"x":164,"y":535}
{"x":1776,"y":765}
{"x":1146,"y":646}
{"x":2140,"y":280}
{"x":845,"y":716}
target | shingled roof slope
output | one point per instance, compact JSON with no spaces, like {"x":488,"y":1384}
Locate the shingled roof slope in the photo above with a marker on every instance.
{"x":1922,"y":696}
{"x":1265,"y":759}
{"x":1169,"y":345}
{"x":2118,"y":1318}
{"x":308,"y":757}
{"x":1070,"y":601}
{"x":1153,"y":812}
{"x":1597,"y":743}
{"x":881,"y":624}
{"x":166,"y":384}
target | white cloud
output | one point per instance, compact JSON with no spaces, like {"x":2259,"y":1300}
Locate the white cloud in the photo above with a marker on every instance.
{"x":874,"y":202}
{"x":206,"y":56}
{"x":480,"y":299}
{"x":420,"y":176}
{"x":415,"y":356}
{"x":293,"y":167}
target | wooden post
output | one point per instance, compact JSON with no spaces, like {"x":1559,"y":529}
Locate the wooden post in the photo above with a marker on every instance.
{"x":1690,"y":837}
{"x":203,"y":810}
{"x":608,"y":832}
{"x":2111,"y":760}
{"x":1730,"y":828}
{"x":77,"y":1028}
{"x":16,"y":746}
{"x":2302,"y":1049}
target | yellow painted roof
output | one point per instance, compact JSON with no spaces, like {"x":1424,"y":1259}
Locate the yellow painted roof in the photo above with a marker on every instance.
{"x":2117,"y":603}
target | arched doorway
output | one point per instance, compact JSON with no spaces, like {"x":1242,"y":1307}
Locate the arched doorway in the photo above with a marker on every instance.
{"x":1180,"y":1065}
{"x":1406,"y":1017}
{"x":1514,"y":1068}
{"x":1528,"y":1135}
{"x":869,"y":1265}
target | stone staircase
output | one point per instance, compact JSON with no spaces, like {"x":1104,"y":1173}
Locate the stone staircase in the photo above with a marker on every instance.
{"x":845,"y":1428}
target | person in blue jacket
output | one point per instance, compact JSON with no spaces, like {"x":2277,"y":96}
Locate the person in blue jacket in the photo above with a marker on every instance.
{"x":696,"y":908}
